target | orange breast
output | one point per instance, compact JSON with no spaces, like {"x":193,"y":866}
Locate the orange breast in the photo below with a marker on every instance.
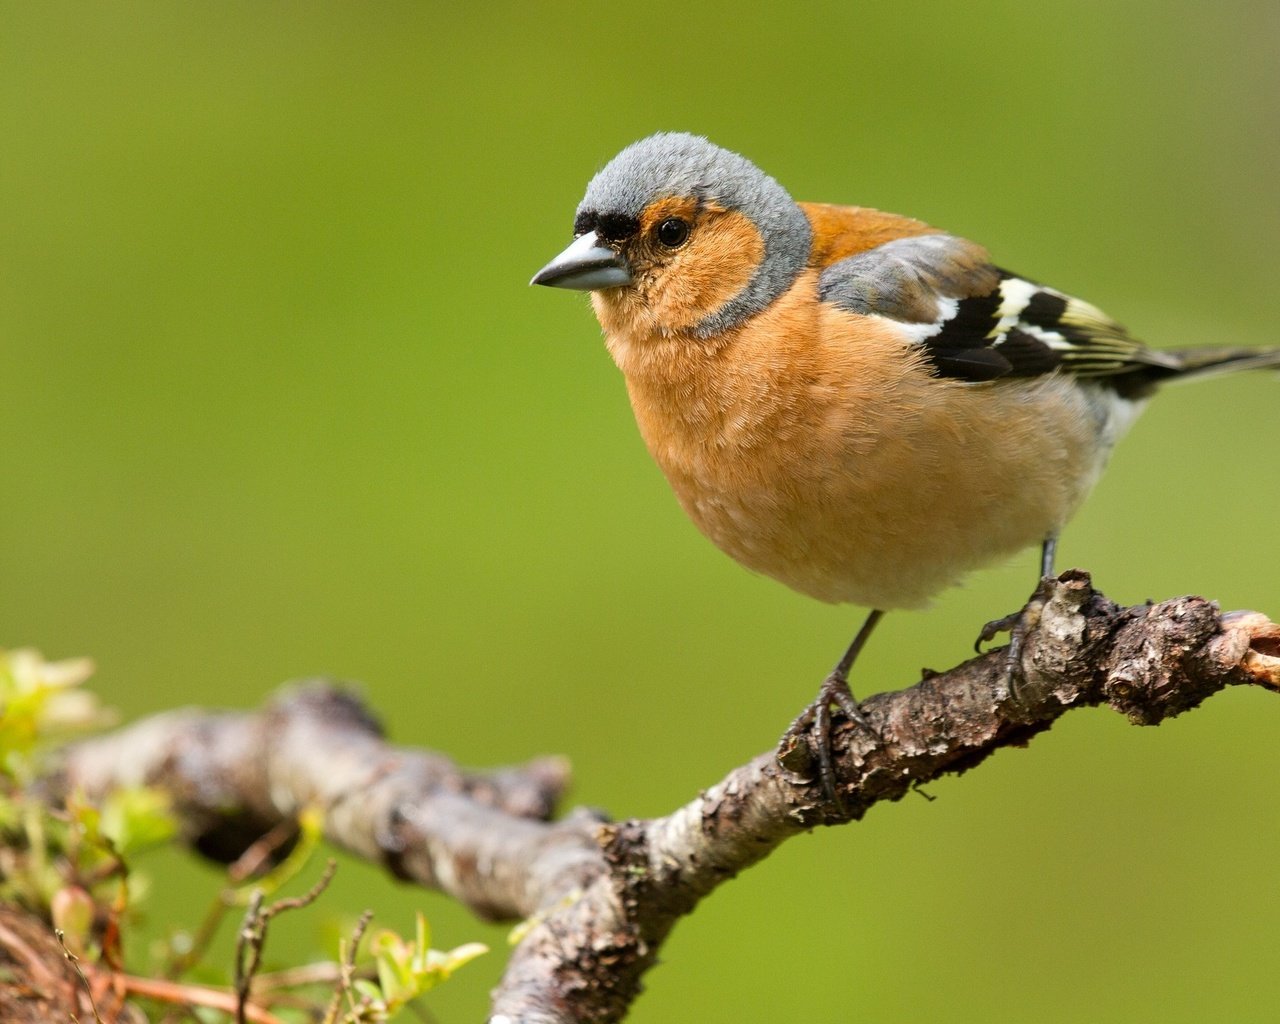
{"x":814,"y":446}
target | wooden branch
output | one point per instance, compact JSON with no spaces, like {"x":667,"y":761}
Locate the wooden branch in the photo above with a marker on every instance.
{"x":601,"y":897}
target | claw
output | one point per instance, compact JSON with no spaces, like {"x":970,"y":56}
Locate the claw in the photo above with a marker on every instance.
{"x":835,"y":690}
{"x":813,"y":728}
{"x":1004,"y":624}
{"x":1019,"y":626}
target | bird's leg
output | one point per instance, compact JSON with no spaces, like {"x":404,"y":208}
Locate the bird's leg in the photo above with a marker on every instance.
{"x":814,"y":723}
{"x":1021,"y":623}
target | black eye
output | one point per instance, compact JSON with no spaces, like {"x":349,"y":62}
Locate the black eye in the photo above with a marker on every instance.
{"x":672,"y":232}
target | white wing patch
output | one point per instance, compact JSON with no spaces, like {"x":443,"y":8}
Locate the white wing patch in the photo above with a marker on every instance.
{"x":947,"y":308}
{"x":1015,"y":294}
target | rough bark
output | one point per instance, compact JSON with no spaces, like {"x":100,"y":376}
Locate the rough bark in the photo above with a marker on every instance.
{"x":602,"y":896}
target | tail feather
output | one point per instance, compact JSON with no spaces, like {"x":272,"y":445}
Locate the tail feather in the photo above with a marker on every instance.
{"x":1194,"y":363}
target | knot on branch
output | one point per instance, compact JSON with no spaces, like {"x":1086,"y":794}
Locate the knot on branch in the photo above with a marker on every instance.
{"x":1253,"y":640}
{"x":1162,"y":660}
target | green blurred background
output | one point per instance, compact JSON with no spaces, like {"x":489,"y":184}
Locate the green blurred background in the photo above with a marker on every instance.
{"x":277,"y":401}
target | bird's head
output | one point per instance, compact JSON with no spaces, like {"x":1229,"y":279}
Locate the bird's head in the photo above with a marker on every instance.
{"x":676,"y":235}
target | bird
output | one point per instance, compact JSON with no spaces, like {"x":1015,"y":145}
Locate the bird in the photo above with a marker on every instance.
{"x":852,"y":402}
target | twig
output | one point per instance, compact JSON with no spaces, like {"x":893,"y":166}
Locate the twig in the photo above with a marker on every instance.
{"x":323,"y":972}
{"x":74,"y":961}
{"x":259,"y":853}
{"x":252,"y":937}
{"x":186,"y":994}
{"x":347,"y":970}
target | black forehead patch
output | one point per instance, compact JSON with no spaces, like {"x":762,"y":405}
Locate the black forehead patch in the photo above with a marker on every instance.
{"x":612,"y":227}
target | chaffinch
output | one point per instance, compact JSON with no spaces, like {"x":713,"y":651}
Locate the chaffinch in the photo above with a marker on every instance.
{"x":852,"y":402}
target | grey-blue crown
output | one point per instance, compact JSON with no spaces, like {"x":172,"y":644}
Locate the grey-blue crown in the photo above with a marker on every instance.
{"x":679,"y":164}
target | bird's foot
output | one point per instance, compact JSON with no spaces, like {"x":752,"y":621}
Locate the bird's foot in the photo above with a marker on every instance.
{"x":812,"y":729}
{"x":1020,"y":625}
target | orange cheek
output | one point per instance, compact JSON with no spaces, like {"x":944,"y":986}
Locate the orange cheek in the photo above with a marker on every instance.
{"x":717,"y":263}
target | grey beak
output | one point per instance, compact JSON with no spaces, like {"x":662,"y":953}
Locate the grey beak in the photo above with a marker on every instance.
{"x":586,"y":266}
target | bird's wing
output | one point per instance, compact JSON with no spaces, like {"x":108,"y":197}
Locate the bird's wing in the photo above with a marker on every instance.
{"x":978,"y":322}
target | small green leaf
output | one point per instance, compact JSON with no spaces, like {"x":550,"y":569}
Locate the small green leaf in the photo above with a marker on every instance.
{"x":460,"y":956}
{"x":369,"y":990}
{"x":38,"y":701}
{"x":134,"y":819}
{"x":408,"y":969}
